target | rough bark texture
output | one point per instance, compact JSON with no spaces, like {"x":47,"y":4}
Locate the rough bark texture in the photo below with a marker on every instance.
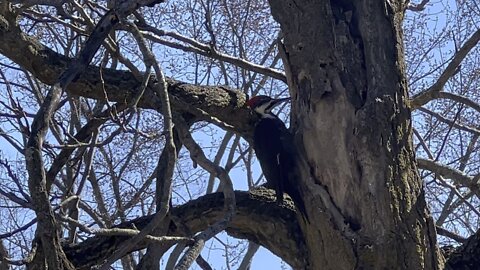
{"x":352,"y":127}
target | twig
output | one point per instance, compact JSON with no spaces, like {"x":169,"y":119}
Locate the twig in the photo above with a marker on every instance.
{"x":155,"y":34}
{"x":432,"y":92}
{"x":474,"y":131}
{"x":218,"y":157}
{"x":449,"y":234}
{"x":247,"y":259}
{"x":199,"y":157}
{"x":164,"y":176}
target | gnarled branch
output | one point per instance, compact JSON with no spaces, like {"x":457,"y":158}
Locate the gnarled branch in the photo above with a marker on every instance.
{"x":258,"y":218}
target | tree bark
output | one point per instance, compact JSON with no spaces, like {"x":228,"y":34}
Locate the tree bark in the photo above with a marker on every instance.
{"x":259,"y":219}
{"x":345,"y":69}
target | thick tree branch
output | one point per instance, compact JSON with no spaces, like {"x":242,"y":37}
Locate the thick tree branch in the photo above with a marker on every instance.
{"x":209,"y":103}
{"x":258,"y":218}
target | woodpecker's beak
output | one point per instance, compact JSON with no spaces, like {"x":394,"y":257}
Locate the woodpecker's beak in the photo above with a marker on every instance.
{"x":274,"y":103}
{"x":279,"y":100}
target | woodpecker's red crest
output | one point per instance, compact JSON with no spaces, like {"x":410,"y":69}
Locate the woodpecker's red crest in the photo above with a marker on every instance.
{"x":257,"y":100}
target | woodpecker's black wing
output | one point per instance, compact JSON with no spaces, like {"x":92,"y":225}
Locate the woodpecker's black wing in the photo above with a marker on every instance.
{"x":290,"y":174}
{"x":269,"y":149}
{"x":273,"y":147}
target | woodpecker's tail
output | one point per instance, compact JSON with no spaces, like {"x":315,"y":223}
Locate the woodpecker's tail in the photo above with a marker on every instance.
{"x":298,"y":200}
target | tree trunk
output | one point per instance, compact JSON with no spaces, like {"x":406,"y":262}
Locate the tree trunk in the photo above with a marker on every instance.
{"x":345,"y":68}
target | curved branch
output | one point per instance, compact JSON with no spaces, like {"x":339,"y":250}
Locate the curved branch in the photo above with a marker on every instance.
{"x":460,"y":99}
{"x":37,"y":184}
{"x":458,"y":176}
{"x":164,"y":194}
{"x":258,"y":218}
{"x":474,"y":131}
{"x":432,"y":92}
{"x":83,"y":136}
{"x":418,"y":7}
{"x":214,"y":104}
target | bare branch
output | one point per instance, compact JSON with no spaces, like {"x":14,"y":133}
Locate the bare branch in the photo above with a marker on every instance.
{"x":474,"y":131}
{"x":447,"y":233}
{"x":457,"y":176}
{"x":432,"y":92}
{"x":247,"y":259}
{"x":28,"y":3}
{"x":23,"y":228}
{"x":258,"y":219}
{"x":218,"y":157}
{"x":165,"y":176}
{"x":198,"y":156}
{"x":459,"y":99}
{"x":203,"y":263}
{"x":82,"y":136}
{"x":207,"y":50}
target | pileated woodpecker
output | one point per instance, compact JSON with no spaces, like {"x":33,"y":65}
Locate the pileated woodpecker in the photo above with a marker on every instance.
{"x":272,"y":143}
